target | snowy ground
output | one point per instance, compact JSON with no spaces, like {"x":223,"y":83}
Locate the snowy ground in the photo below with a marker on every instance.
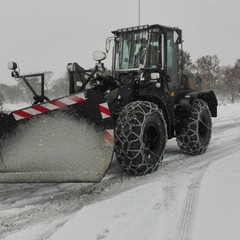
{"x":187,"y":198}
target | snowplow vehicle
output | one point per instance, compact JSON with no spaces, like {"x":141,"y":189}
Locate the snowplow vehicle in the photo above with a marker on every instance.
{"x":127,"y":116}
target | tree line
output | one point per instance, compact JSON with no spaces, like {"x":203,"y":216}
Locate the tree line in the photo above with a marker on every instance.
{"x":21,"y":93}
{"x":205,"y":73}
{"x":223,"y":80}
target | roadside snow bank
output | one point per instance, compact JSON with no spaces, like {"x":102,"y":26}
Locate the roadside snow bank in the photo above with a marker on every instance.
{"x":13,"y":107}
{"x":227,"y":114}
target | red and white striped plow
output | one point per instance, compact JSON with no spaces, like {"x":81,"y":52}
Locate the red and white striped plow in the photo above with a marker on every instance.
{"x":108,"y":133}
{"x":104,"y":109}
{"x":63,"y":102}
{"x":49,"y":106}
{"x":109,"y":137}
{"x":68,"y":139}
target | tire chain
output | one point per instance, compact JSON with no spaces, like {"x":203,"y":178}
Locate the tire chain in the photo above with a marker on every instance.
{"x":127,"y":121}
{"x":188,"y":139}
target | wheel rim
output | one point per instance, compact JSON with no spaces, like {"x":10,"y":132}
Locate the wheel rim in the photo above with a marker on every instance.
{"x":151,"y":137}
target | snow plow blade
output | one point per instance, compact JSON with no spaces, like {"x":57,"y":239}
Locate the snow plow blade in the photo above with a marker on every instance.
{"x":69,"y":139}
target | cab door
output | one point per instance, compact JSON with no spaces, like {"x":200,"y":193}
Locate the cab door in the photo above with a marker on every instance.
{"x":172,"y":59}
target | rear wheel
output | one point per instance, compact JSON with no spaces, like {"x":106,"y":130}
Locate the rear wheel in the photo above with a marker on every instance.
{"x":194,"y":137}
{"x":140,"y":137}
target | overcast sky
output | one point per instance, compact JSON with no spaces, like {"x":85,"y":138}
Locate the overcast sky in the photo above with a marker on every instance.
{"x":45,"y":35}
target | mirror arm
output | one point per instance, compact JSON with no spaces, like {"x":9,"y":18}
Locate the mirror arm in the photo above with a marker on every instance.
{"x":108,"y":43}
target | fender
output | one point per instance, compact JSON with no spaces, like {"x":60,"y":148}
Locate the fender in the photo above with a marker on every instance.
{"x":208,"y":96}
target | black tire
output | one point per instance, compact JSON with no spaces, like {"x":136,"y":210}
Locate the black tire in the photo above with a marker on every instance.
{"x":195,"y":136}
{"x":140,"y":137}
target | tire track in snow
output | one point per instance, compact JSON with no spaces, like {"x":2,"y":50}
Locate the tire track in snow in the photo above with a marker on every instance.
{"x":54,"y":215}
{"x":186,"y":221}
{"x":58,"y":223}
{"x":95,"y":191}
{"x":198,"y":166}
{"x":61,"y":220}
{"x":38,"y":214}
{"x":187,"y":216}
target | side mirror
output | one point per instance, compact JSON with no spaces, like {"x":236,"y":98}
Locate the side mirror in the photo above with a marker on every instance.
{"x":12,"y":66}
{"x":99,"y":56}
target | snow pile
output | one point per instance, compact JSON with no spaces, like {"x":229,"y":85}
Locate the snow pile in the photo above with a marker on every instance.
{"x":12,"y":107}
{"x":49,"y":147}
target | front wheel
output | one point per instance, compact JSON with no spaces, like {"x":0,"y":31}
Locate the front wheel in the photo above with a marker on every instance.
{"x":194,"y":137}
{"x":140,"y":137}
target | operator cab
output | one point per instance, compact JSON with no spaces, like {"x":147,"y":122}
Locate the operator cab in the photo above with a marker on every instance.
{"x":153,"y":49}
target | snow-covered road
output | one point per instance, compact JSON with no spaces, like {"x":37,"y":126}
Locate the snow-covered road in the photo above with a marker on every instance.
{"x":187,"y":198}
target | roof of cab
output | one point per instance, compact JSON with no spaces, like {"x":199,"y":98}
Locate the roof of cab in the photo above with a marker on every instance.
{"x":142,"y":27}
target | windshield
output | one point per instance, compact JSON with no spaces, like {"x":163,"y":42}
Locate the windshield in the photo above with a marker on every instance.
{"x":132,"y":48}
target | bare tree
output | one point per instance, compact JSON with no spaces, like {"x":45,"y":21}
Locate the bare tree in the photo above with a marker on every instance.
{"x":232,"y":80}
{"x":187,"y":63}
{"x":207,"y":67}
{"x":60,"y":87}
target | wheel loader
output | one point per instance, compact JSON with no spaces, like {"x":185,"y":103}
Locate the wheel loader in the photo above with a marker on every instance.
{"x":127,"y":116}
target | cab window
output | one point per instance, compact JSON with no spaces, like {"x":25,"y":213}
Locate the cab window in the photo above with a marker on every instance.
{"x":172,"y":59}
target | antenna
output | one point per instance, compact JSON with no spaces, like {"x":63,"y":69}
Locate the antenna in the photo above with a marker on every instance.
{"x":139,"y":11}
